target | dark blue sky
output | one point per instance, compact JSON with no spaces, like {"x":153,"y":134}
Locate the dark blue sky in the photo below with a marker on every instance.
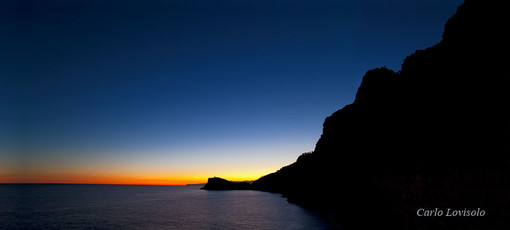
{"x":192,"y":81}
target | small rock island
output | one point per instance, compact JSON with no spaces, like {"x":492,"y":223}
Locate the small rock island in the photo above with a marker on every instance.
{"x":217,"y":183}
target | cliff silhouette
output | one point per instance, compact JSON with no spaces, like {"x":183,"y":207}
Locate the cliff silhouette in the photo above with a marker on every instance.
{"x":435,"y":134}
{"x":217,"y":183}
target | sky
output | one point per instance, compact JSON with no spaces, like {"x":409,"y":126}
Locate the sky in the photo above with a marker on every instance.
{"x":174,"y":92}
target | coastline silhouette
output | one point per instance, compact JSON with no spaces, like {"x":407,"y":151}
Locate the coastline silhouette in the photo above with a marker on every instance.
{"x":216,"y":183}
{"x":433,"y":135}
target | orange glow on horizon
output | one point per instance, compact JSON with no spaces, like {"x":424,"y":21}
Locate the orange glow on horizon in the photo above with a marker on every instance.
{"x":59,"y":170}
{"x":153,"y":167}
{"x":115,"y":180}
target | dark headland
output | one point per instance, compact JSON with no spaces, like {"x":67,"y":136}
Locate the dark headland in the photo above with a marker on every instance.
{"x":216,"y":183}
{"x":435,"y":134}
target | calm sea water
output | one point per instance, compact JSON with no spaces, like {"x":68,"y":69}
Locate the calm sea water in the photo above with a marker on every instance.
{"x":147,"y":207}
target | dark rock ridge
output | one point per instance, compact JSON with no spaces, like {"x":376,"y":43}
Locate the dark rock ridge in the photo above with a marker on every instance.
{"x":216,"y":183}
{"x":433,"y":135}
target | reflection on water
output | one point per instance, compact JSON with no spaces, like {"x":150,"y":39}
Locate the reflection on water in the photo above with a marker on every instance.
{"x":147,"y":207}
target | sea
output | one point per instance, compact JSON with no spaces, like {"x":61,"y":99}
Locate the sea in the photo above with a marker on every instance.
{"x":65,"y":206}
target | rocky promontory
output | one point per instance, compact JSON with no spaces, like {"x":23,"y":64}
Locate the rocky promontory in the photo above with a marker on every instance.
{"x":216,"y":183}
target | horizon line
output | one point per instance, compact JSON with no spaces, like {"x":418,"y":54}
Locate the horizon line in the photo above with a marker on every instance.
{"x":100,"y":184}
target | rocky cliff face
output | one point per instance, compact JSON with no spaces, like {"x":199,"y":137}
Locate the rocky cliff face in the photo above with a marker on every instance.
{"x":435,"y":134}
